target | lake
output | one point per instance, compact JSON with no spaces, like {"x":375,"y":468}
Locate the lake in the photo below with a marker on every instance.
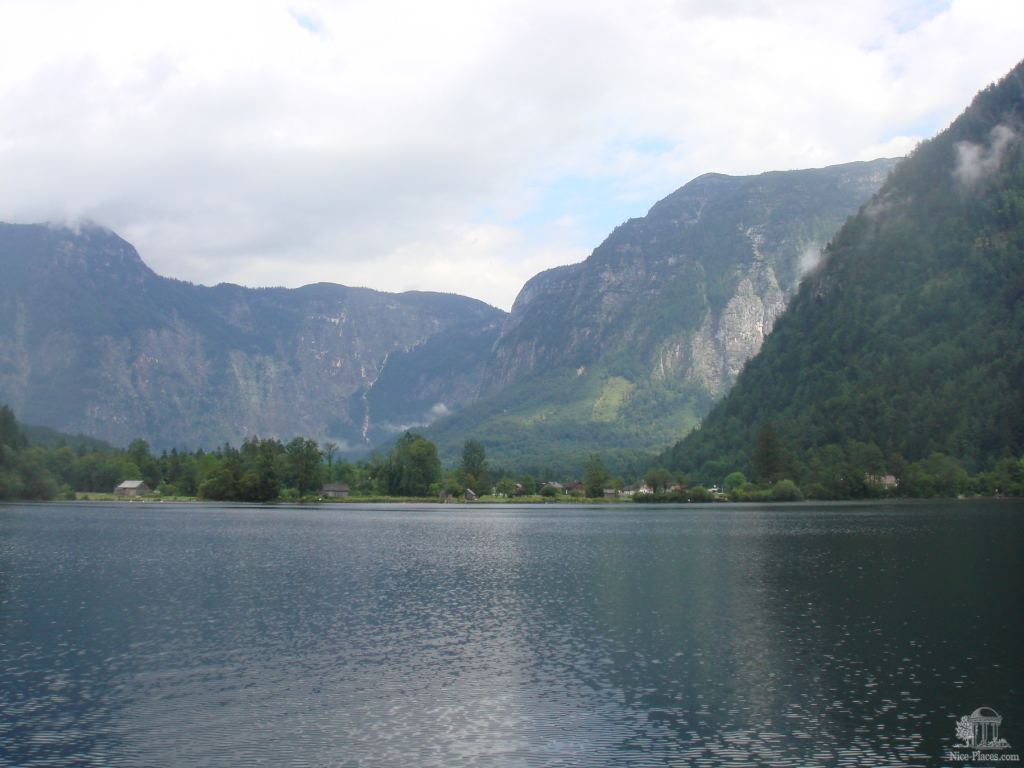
{"x":789,"y":635}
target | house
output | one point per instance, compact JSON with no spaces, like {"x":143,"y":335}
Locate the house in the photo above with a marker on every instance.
{"x":470,"y":495}
{"x":888,"y":482}
{"x":132,"y":488}
{"x":335,"y":490}
{"x":611,"y":493}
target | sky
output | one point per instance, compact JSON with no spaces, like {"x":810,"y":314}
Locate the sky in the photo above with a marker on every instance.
{"x":456,"y":145}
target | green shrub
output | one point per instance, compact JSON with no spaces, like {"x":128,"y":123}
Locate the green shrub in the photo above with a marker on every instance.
{"x":786,"y":490}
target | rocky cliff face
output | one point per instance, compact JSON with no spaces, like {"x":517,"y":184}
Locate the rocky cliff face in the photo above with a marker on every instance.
{"x":727,"y":339}
{"x":92,"y":341}
{"x":697,"y":283}
{"x":621,"y":353}
{"x":665,"y":313}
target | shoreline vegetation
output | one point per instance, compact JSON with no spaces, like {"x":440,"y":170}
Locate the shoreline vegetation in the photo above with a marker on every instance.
{"x":300,"y":471}
{"x":488,"y":500}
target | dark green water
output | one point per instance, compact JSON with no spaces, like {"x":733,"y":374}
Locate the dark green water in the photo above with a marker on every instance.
{"x":166,"y":635}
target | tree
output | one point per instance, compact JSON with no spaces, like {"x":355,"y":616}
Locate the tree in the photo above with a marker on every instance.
{"x":141,"y":457}
{"x":220,"y":486}
{"x":596,"y":478}
{"x":786,"y":490}
{"x":506,"y":486}
{"x":474,"y":465}
{"x":699,"y":494}
{"x":260,"y":480}
{"x":965,"y":731}
{"x":733,"y":481}
{"x":303,"y":462}
{"x":529,"y":485}
{"x":770,"y":460}
{"x":658,"y":479}
{"x":10,"y":434}
{"x":1009,"y":477}
{"x":330,"y":449}
{"x":948,"y":476}
{"x":413,"y":466}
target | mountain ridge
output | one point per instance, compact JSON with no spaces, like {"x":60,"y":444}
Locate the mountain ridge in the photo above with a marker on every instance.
{"x":627,"y":349}
{"x":124,"y":352}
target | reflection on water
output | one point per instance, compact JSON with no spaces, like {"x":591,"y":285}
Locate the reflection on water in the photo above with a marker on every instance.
{"x":211,"y":635}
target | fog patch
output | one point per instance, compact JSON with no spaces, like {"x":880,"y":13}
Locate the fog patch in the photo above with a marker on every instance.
{"x":437,"y":411}
{"x":73,"y":224}
{"x":392,"y":428}
{"x":809,"y":259}
{"x":975,"y":162}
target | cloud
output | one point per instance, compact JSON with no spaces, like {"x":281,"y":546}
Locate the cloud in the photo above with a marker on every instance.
{"x":452,"y":145}
{"x":810,"y":258}
{"x":974,"y":162}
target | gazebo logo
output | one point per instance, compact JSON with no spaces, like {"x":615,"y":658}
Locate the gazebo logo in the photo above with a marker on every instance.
{"x":980,"y":730}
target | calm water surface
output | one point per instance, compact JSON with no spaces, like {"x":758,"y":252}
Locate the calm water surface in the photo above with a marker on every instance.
{"x":193,"y":635}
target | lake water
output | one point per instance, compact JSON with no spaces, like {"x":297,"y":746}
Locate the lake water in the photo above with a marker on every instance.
{"x":803,"y":635}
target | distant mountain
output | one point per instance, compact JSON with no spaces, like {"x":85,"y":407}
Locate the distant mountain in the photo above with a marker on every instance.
{"x":626,"y":351}
{"x":908,"y":340}
{"x":619,"y":354}
{"x":47,"y":437}
{"x":93,"y":341}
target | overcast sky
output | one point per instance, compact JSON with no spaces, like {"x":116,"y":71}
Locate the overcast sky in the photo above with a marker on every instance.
{"x":451,"y":146}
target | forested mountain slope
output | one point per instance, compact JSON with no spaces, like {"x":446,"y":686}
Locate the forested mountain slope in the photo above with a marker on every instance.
{"x":622,"y":353}
{"x":908,"y":340}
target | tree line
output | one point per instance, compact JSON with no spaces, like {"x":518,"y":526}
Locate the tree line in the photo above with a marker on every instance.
{"x":267,"y":469}
{"x":775,"y":468}
{"x":260,"y":470}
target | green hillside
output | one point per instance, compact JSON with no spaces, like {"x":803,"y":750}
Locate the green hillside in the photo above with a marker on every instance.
{"x":907,"y":344}
{"x":626,"y":351}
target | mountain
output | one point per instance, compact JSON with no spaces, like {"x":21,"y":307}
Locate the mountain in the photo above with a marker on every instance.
{"x":908,"y":341}
{"x":93,"y":341}
{"x":47,"y":437}
{"x":622,"y":353}
{"x":619,"y":354}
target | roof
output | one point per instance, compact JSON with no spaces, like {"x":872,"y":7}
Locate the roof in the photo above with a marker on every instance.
{"x":335,"y":487}
{"x":986,"y":715}
{"x":129,"y":484}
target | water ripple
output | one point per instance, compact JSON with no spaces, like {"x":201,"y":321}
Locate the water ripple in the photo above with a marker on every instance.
{"x":208,"y":636}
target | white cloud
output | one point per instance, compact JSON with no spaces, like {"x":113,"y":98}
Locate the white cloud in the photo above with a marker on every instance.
{"x":427,"y":145}
{"x":974,"y":162}
{"x":809,"y":259}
